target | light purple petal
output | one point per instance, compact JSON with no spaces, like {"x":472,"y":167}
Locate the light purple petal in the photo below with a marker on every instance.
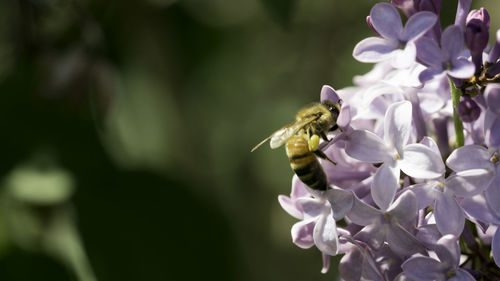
{"x":366,"y":146}
{"x":428,"y":235}
{"x":344,"y":118}
{"x":326,"y":263}
{"x":477,"y":208}
{"x":402,"y":277}
{"x":404,"y":58}
{"x":385,"y":184}
{"x":447,"y":250}
{"x":492,"y":135}
{"x":290,"y":207}
{"x":298,"y":188}
{"x":452,"y":41}
{"x":402,"y":242}
{"x":397,"y":124}
{"x":492,"y":95}
{"x":350,"y":267}
{"x":421,"y":162}
{"x":418,"y":24}
{"x":374,"y":49}
{"x":386,"y":21}
{"x":428,"y":52}
{"x":373,"y":235}
{"x":328,"y":93}
{"x":470,"y":182}
{"x":462,"y":275}
{"x":429,"y":74}
{"x":404,"y":208}
{"x":425,"y":192}
{"x":430,"y":143}
{"x":450,"y":218}
{"x":462,"y":69}
{"x":469,"y":157}
{"x":495,"y":247}
{"x":302,"y":233}
{"x":362,"y":213}
{"x":423,"y":268}
{"x":493,"y":195}
{"x":325,"y":235}
{"x":311,"y":207}
{"x":341,"y":202}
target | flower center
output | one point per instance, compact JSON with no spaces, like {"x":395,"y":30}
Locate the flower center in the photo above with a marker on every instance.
{"x":441,"y":185}
{"x":387,"y":218}
{"x":397,"y":156}
{"x":494,"y":159}
{"x":451,"y":273}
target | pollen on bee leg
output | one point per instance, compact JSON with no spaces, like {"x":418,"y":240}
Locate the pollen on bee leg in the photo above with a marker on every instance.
{"x":313,"y":143}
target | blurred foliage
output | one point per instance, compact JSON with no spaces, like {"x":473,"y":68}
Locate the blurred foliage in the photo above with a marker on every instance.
{"x":148,"y":109}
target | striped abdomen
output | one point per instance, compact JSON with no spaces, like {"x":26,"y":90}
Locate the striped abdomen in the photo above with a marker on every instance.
{"x":305,"y":164}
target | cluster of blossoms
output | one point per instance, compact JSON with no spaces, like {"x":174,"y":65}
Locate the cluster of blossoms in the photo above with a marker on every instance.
{"x":415,"y":194}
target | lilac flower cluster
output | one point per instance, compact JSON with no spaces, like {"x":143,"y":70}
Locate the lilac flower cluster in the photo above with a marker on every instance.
{"x":415,"y":194}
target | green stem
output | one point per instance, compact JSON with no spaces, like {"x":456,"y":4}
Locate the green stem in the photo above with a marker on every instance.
{"x":459,"y":128}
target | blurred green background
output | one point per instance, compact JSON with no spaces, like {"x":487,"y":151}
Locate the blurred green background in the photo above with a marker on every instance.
{"x":127,"y":128}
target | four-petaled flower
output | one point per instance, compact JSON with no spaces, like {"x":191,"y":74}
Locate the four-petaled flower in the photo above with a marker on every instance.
{"x":397,"y":43}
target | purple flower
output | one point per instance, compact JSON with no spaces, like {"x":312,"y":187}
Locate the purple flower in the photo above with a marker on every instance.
{"x":317,"y":226}
{"x":441,"y":194}
{"x":387,"y":226}
{"x":416,"y":160}
{"x":396,"y":43}
{"x":472,"y":159}
{"x":421,"y":268}
{"x":478,"y":208}
{"x":445,"y":59}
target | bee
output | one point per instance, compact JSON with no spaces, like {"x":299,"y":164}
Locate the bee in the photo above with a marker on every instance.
{"x":302,"y":141}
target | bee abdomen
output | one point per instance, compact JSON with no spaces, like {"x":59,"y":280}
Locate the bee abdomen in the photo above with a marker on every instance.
{"x":305,"y":164}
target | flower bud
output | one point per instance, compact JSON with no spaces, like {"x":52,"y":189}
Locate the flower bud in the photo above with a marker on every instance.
{"x":476,"y":30}
{"x":407,"y":6}
{"x":468,"y":110}
{"x":428,"y":5}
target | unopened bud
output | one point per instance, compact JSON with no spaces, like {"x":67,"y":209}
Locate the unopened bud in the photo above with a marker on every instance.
{"x":468,"y":110}
{"x":476,"y":30}
{"x":428,"y":5}
{"x":407,"y":6}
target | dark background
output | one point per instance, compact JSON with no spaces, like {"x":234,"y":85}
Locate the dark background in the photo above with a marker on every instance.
{"x":152,"y":108}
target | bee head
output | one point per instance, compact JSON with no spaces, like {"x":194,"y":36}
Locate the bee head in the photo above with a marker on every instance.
{"x":333,"y":107}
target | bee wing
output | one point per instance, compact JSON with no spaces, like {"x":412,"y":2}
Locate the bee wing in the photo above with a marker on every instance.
{"x":260,"y":143}
{"x":283,"y":134}
{"x":279,"y":137}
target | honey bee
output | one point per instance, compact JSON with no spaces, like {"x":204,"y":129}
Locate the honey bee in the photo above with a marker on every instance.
{"x":302,"y":141}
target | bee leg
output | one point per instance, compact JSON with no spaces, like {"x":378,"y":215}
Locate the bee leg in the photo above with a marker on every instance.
{"x":324,"y":137}
{"x":322,"y":155}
